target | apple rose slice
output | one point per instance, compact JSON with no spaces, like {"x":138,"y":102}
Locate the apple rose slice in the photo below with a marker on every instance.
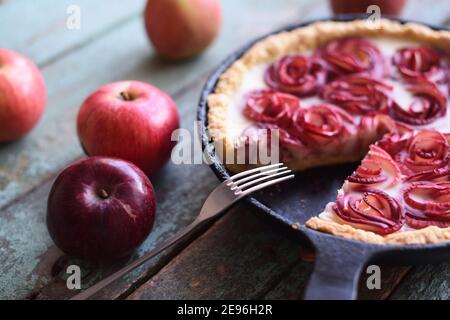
{"x":359,"y":94}
{"x":352,"y":56}
{"x":421,"y":63}
{"x":376,"y":169}
{"x":269,"y":106}
{"x":424,"y":153}
{"x":440,"y":174}
{"x":296,"y":74}
{"x":428,"y":105}
{"x":389,"y":134}
{"x":395,"y":135}
{"x":321,"y":125}
{"x":254,"y":133}
{"x":427,"y":204}
{"x":371,"y":210}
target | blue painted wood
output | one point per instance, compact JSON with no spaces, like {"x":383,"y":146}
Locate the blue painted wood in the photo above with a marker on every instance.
{"x":429,"y":282}
{"x":39,"y":29}
{"x":240,"y":257}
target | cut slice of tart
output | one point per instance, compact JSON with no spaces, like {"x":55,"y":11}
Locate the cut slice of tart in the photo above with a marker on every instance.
{"x":321,"y":95}
{"x":400,"y":193}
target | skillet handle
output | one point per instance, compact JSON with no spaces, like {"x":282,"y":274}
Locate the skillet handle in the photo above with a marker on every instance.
{"x":337,"y":269}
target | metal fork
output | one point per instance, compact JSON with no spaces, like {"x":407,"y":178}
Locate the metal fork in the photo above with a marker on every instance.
{"x":221,"y":198}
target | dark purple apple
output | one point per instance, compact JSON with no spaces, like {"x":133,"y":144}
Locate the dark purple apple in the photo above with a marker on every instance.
{"x":100,"y":209}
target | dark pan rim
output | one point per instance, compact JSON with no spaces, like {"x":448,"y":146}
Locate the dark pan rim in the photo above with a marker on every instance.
{"x":221,"y":172}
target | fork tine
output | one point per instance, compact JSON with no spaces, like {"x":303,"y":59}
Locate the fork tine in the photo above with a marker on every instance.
{"x":265,"y":184}
{"x":246,"y":173}
{"x":256,"y":175}
{"x":264,"y":178}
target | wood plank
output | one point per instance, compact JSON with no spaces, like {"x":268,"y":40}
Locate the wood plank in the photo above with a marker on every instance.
{"x":237,"y":258}
{"x":44,"y":36}
{"x":183,"y":277}
{"x":429,"y":282}
{"x":390,"y":278}
{"x":293,"y":285}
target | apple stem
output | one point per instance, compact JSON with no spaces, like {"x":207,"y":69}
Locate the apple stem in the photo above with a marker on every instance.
{"x":125,"y":96}
{"x":103,"y":194}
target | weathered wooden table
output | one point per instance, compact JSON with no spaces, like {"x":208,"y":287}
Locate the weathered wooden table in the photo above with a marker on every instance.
{"x":241,"y":256}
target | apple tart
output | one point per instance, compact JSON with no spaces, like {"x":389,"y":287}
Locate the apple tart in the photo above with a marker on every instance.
{"x":337,"y":92}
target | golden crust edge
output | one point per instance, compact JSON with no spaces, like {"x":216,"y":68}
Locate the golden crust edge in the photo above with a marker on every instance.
{"x":428,"y":235}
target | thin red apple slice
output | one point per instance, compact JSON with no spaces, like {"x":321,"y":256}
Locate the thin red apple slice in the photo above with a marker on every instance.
{"x":352,"y":56}
{"x":427,"y":204}
{"x":321,"y":125}
{"x":371,"y":210}
{"x":428,"y":150}
{"x":270,"y":106}
{"x":429,"y":104}
{"x":377,"y":167}
{"x":359,"y":94}
{"x":421,"y":63}
{"x":296,"y":74}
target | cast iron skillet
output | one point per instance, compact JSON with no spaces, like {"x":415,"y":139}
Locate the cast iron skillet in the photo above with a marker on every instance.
{"x":339,"y":262}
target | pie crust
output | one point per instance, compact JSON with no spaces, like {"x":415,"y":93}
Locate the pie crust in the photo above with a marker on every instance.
{"x":306,"y":39}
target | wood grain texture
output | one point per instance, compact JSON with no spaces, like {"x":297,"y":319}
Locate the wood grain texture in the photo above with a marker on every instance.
{"x":41,"y":31}
{"x":293,"y":285}
{"x":390,"y":278}
{"x":430,"y":282}
{"x":237,"y":258}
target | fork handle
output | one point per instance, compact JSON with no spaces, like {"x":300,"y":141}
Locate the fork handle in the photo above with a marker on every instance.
{"x":86,"y":294}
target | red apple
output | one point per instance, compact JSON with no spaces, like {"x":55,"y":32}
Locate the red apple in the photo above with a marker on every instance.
{"x":182,"y":28}
{"x":22,"y":95}
{"x":100,"y":209}
{"x":131,"y":120}
{"x":388,"y":7}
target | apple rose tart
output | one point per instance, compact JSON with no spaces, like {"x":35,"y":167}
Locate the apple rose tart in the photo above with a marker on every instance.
{"x":337,"y":92}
